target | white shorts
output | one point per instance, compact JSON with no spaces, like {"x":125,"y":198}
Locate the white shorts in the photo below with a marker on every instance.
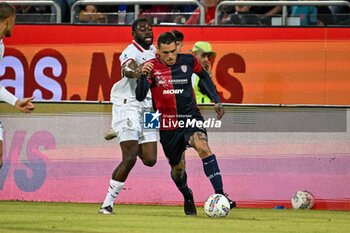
{"x":1,"y":132}
{"x":127,"y":122}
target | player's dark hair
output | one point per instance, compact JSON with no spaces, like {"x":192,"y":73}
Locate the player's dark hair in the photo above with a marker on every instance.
{"x":179,"y":36}
{"x":6,"y":11}
{"x":166,"y":38}
{"x":137,"y":21}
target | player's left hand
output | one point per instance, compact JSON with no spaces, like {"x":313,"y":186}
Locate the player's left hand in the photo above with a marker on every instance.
{"x":219,"y":109}
{"x":25,"y":105}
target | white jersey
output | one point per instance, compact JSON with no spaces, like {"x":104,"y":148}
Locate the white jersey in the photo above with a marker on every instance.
{"x":123,"y":92}
{"x":2,"y":49}
{"x":4,"y":94}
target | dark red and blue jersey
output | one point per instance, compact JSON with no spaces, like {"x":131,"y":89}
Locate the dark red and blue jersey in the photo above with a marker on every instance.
{"x":172,"y":91}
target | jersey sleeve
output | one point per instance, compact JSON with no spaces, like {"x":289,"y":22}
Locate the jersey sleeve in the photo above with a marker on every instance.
{"x":197,"y":68}
{"x":7,"y":96}
{"x":151,"y":77}
{"x":142,"y":88}
{"x":127,"y":55}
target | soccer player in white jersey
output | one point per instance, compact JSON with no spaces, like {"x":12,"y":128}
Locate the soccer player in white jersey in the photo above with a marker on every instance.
{"x":127,"y":112}
{"x":7,"y":22}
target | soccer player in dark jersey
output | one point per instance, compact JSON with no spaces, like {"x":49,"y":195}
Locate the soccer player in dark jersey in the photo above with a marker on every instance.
{"x":173,"y":98}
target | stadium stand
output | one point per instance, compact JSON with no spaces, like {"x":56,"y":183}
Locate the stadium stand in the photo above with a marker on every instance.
{"x":47,"y":11}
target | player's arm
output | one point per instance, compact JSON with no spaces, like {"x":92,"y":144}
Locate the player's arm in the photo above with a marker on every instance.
{"x":7,"y":97}
{"x":210,"y":89}
{"x":202,"y":88}
{"x":142,"y":88}
{"x":131,"y":70}
{"x":144,"y":83}
{"x":205,"y":83}
{"x":24,"y":105}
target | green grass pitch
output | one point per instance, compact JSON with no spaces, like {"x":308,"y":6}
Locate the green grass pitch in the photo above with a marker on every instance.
{"x":72,"y":217}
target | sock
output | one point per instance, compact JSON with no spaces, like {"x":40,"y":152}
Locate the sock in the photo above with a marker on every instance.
{"x":211,"y":169}
{"x":113,"y":191}
{"x":181,"y":184}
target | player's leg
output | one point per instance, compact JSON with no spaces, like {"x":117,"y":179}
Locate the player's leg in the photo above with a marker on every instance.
{"x":129,"y":156}
{"x":174,"y":149}
{"x":120,"y":174}
{"x":130,"y":149}
{"x":179,"y":176}
{"x":199,"y":141}
{"x":148,"y":153}
{"x":148,"y":148}
{"x":127,"y":128}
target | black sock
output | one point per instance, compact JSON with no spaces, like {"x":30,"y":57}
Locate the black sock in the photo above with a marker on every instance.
{"x":181,"y":184}
{"x":212,"y":171}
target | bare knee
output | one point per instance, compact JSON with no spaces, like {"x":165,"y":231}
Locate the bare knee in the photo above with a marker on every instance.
{"x":150,"y":162}
{"x":200,"y":143}
{"x":148,"y":153}
{"x":129,"y":154}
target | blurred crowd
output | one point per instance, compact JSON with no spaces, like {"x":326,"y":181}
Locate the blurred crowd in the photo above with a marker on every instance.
{"x":189,"y":14}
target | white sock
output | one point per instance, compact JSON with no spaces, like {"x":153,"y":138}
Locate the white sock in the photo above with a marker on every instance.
{"x":113,"y":191}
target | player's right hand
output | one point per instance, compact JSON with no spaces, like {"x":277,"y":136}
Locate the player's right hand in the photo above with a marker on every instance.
{"x":147,"y":68}
{"x":25,"y":105}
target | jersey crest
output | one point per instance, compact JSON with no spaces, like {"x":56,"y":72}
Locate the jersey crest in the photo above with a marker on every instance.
{"x":160,"y":80}
{"x":184,"y":68}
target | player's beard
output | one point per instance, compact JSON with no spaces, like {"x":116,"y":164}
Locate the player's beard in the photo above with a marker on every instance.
{"x":145,"y":44}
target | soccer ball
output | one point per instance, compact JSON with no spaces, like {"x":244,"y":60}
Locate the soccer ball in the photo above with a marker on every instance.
{"x":303,"y":200}
{"x":217,"y":205}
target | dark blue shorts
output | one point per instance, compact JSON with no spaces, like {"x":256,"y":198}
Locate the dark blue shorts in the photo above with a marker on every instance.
{"x":175,"y":142}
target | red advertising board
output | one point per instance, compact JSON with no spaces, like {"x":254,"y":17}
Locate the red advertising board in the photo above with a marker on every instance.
{"x":253,"y":65}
